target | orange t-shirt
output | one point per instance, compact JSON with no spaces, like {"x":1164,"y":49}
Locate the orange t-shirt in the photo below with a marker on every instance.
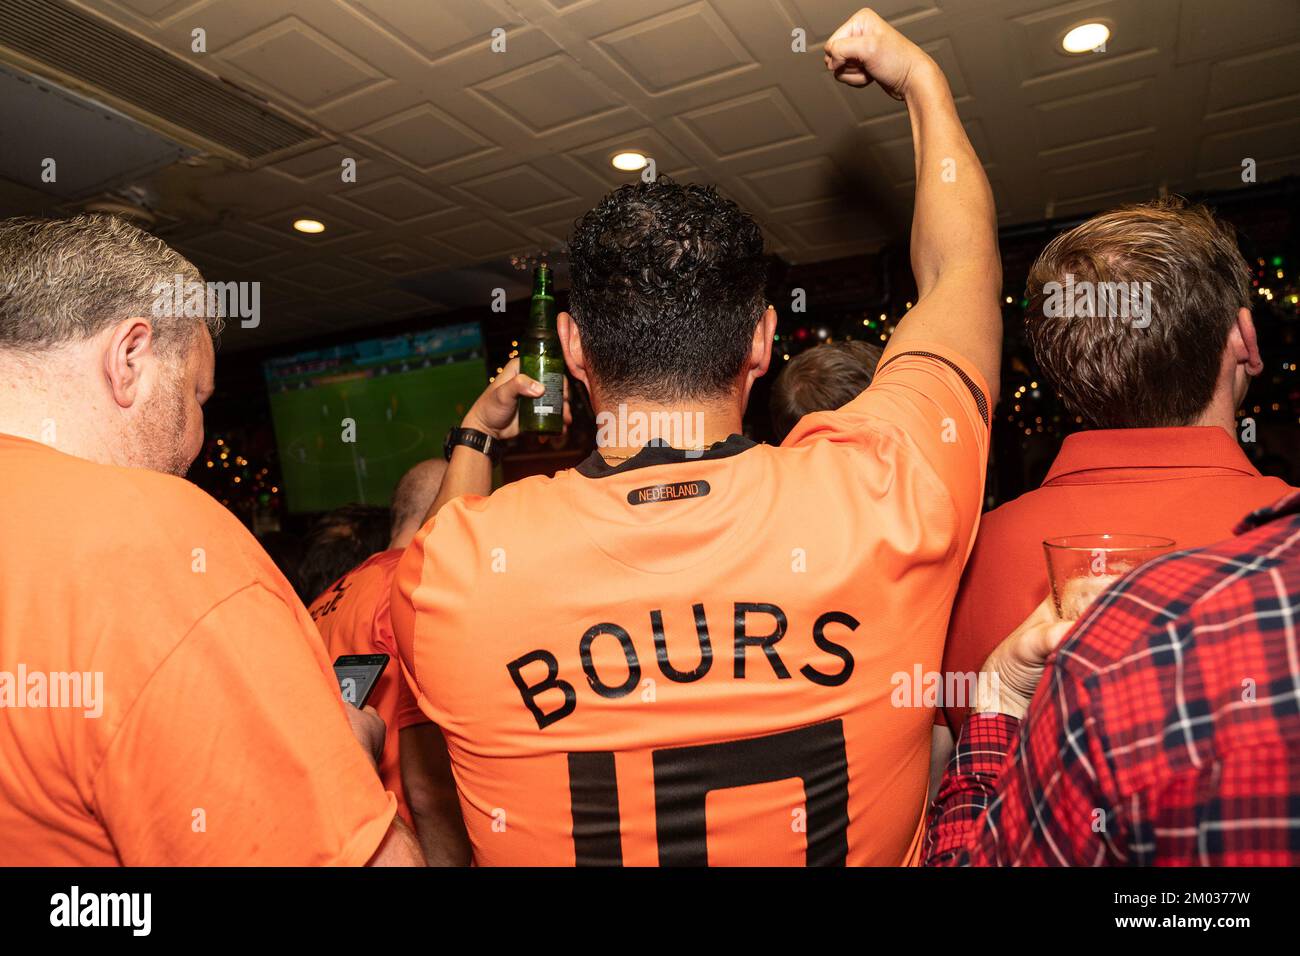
{"x":692,"y":657}
{"x":164,"y":697}
{"x":1190,"y":484}
{"x":352,"y":616}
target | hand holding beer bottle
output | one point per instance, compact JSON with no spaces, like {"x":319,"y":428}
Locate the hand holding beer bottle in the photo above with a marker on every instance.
{"x":498,"y":410}
{"x":540,"y":359}
{"x":509,"y":404}
{"x":495,"y":413}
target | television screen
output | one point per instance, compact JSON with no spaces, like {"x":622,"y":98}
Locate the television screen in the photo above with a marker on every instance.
{"x":351,"y":419}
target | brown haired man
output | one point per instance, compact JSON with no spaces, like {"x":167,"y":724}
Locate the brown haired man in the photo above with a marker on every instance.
{"x":821,"y":379}
{"x":1140,"y":319}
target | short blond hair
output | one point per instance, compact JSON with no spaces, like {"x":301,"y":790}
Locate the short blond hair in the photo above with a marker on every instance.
{"x":63,"y":280}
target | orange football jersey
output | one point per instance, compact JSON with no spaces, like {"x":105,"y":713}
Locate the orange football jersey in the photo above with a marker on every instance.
{"x":700,"y":657}
{"x":352,"y":617}
{"x":204,"y":726}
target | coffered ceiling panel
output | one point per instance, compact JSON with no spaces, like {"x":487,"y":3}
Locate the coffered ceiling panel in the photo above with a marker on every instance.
{"x":1103,"y":177}
{"x":1108,"y":112}
{"x":425,"y":137}
{"x":665,"y":150}
{"x":480,"y":241}
{"x":1258,"y":79}
{"x":157,"y":12}
{"x":782,"y":188}
{"x":517,"y":190}
{"x":549,"y":95}
{"x":299,"y":64}
{"x":1037,"y":35}
{"x":231,"y":247}
{"x":481,"y":129}
{"x":1210,"y":29}
{"x":1271,"y":142}
{"x":399,"y":258}
{"x":396,"y":199}
{"x":435,"y":30}
{"x":280,"y":223}
{"x":321,"y":275}
{"x":317,"y":163}
{"x":755,"y":122}
{"x":686,"y":46}
{"x":820,"y":18}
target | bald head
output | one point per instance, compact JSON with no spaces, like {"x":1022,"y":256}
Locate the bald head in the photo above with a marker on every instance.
{"x":412,"y":497}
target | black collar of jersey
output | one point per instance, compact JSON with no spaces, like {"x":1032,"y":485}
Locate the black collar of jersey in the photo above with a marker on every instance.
{"x":659,"y":452}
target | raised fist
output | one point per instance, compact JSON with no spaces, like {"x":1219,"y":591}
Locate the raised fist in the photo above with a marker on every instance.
{"x":867,"y":49}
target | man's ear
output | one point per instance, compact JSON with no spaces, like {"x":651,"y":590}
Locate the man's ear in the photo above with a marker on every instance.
{"x":130,"y":344}
{"x":760,"y":347}
{"x":1244,"y":345}
{"x":571,"y":345}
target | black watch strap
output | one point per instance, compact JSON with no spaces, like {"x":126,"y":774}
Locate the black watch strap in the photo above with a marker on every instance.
{"x":471,"y":438}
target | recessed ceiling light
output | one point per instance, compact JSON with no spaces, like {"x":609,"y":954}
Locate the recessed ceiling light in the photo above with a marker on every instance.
{"x":630,"y":161}
{"x":1085,"y":38}
{"x":309,"y":225}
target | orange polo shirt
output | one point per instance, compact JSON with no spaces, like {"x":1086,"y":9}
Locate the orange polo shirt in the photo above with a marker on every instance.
{"x":352,"y":616}
{"x":164,"y":697}
{"x":1190,"y":484}
{"x":695,"y":658}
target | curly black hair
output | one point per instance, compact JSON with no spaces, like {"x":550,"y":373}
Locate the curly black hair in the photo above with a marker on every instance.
{"x":668,"y":282}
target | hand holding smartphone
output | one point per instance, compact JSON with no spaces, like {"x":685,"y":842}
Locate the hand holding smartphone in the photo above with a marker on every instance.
{"x":358,"y":675}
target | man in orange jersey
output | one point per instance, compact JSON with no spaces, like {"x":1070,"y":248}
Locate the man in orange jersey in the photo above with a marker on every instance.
{"x":352,"y":616}
{"x":164,"y":698}
{"x":1157,"y":391}
{"x":684,"y":650}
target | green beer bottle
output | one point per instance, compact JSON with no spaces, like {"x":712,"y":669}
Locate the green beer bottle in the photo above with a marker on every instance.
{"x":540,"y":358}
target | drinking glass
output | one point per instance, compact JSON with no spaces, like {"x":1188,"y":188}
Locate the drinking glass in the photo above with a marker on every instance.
{"x":1081,"y":566}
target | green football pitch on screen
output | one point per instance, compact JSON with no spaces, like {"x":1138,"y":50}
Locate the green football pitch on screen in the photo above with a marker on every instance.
{"x":349,"y":428}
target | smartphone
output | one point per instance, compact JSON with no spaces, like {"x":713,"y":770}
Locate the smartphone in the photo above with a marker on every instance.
{"x":358,"y":674}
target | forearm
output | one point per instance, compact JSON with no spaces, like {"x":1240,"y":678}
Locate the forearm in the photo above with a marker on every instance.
{"x":440,"y":828}
{"x":1029,"y":734}
{"x":399,"y":847}
{"x":967,"y":788}
{"x":954,"y":223}
{"x":976,"y":765}
{"x":941,"y":750}
{"x":468,"y":473}
{"x":431,"y":794}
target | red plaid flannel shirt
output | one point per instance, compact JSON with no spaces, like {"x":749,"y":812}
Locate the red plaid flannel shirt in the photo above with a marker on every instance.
{"x":1166,"y":730}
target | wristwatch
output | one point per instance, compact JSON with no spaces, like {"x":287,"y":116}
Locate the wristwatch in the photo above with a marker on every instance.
{"x":472,"y":438}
